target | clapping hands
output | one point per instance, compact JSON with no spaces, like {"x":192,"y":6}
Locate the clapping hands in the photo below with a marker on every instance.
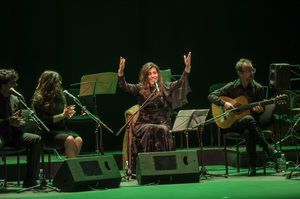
{"x":69,"y":111}
{"x":16,"y":120}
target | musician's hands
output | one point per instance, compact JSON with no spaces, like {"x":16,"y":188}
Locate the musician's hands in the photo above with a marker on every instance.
{"x":187,"y":62}
{"x":69,"y":111}
{"x":257,"y":108}
{"x":228,"y":106}
{"x":16,"y":120}
{"x":121,"y":67}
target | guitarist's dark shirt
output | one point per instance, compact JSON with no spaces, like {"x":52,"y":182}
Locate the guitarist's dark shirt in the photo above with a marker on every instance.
{"x":8,"y":106}
{"x":254,"y":92}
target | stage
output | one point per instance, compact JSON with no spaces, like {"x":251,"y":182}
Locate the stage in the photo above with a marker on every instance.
{"x":236,"y":185}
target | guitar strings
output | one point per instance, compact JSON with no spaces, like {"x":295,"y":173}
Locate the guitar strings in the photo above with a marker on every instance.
{"x":212,"y":120}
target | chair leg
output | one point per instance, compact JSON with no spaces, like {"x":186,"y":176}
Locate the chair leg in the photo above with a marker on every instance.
{"x":265,"y":172}
{"x":238,"y":157}
{"x":49,"y":166}
{"x":226,"y":158}
{"x":18,"y":168}
{"x":5,"y":171}
{"x":43,"y":164}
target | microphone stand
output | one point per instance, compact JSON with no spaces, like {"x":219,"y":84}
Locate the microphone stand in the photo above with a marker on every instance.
{"x":35,"y":118}
{"x":203,"y":171}
{"x":96,"y":119}
{"x":141,"y":107}
{"x":147,"y":101}
{"x":41,"y":126}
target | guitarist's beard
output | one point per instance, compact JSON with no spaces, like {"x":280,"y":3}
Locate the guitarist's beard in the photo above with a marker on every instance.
{"x":246,"y":79}
{"x":250,"y":79}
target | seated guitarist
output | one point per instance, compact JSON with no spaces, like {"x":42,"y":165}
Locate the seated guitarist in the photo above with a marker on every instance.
{"x":246,"y":86}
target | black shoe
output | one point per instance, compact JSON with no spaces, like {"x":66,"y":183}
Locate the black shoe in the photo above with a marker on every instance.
{"x":29,"y":183}
{"x":252,"y":171}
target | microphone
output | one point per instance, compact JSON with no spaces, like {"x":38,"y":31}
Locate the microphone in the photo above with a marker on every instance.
{"x":156,"y":85}
{"x":69,"y":94}
{"x":16,"y":93}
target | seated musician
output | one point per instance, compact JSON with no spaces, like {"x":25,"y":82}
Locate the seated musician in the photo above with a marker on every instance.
{"x":247,"y":125}
{"x":154,"y":121}
{"x":11,"y":133}
{"x":50,"y":106}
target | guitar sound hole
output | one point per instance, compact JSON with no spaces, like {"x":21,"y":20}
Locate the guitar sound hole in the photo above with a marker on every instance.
{"x":237,"y":111}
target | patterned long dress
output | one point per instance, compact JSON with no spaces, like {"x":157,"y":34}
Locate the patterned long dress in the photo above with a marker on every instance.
{"x":152,"y":128}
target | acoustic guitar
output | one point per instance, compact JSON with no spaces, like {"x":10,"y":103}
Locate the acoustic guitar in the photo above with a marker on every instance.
{"x":224,"y":119}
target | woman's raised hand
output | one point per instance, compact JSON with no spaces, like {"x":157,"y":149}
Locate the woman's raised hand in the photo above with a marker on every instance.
{"x":121,"y":67}
{"x":187,"y":62}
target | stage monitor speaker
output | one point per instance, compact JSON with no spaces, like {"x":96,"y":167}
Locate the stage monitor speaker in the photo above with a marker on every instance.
{"x":167,"y":167}
{"x":80,"y":174}
{"x":279,"y":76}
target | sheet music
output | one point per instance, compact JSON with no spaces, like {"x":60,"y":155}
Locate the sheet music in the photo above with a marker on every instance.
{"x":185,"y":119}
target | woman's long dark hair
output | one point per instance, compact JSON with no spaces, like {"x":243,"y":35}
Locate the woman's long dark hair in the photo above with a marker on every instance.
{"x":45,"y":91}
{"x":144,"y":81}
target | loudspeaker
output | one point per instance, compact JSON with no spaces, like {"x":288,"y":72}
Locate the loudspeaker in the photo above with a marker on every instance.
{"x":279,"y":76}
{"x":167,"y":167}
{"x":79,"y":174}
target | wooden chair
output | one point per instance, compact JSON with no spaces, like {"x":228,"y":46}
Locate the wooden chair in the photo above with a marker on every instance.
{"x":128,"y":137}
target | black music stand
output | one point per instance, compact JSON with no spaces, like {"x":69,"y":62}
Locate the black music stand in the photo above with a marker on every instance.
{"x":96,"y":84}
{"x":194,"y":120}
{"x":186,"y":119}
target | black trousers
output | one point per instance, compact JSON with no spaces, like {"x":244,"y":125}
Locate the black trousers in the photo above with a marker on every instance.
{"x":249,"y":128}
{"x":33,"y":144}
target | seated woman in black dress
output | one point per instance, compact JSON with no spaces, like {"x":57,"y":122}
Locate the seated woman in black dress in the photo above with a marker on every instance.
{"x":154,"y":122}
{"x":50,"y":106}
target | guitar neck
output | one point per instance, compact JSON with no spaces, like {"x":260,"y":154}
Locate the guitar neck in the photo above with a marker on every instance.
{"x":251,"y":105}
